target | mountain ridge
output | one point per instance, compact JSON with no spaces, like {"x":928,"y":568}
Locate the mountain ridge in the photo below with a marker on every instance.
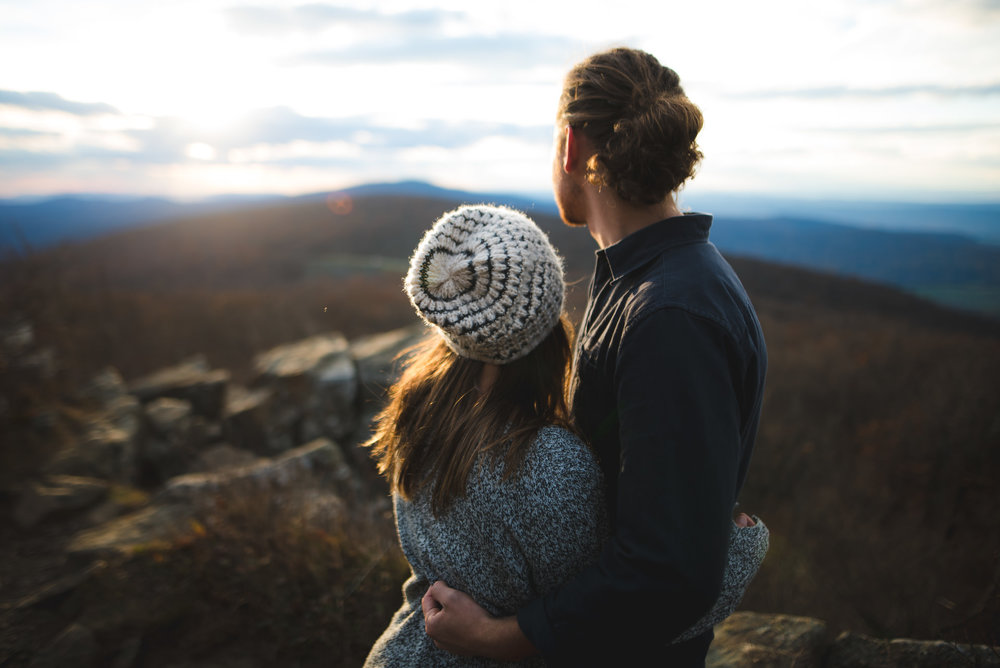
{"x":951,"y":268}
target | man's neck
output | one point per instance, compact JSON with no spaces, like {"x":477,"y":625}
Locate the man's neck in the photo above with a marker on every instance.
{"x":610,"y":219}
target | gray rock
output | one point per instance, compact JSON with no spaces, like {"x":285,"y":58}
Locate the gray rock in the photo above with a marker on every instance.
{"x":379,"y":359}
{"x":17,"y":334}
{"x":56,"y":495}
{"x":191,"y":380}
{"x":75,"y":646}
{"x":253,"y":420}
{"x":105,"y":387}
{"x":768,"y":641}
{"x":104,"y":451}
{"x":854,"y":650}
{"x":143,"y":528}
{"x":58,"y":589}
{"x":168,"y":416}
{"x":320,"y":459}
{"x":124,"y":412}
{"x":175,"y":438}
{"x":223,"y":456}
{"x":315,"y":387}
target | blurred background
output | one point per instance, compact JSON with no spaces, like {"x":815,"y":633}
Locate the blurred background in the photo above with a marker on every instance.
{"x":203,"y":180}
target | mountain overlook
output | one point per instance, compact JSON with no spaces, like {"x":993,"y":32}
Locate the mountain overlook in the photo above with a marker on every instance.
{"x":876,"y":467}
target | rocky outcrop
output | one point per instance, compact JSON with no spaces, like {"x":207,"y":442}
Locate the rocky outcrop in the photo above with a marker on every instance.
{"x":749,"y":639}
{"x":153,"y":451}
{"x":57,"y":495}
{"x":191,"y":418}
{"x":192,"y":380}
{"x":186,"y":434}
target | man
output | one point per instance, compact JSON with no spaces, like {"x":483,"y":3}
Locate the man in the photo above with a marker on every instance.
{"x":667,"y":385}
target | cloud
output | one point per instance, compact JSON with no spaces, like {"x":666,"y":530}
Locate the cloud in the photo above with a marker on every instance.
{"x":277,"y":135}
{"x":933,"y":128}
{"x":838,"y":92}
{"x":313,"y":18}
{"x":503,"y":50}
{"x":39,"y":101}
{"x":282,"y":125}
{"x":21,"y":133}
{"x":971,"y":13}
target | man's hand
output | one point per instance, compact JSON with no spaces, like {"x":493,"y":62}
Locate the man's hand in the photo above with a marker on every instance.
{"x":457,"y":624}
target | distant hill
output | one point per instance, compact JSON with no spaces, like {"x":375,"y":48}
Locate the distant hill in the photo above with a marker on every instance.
{"x":27,"y":222}
{"x":948,"y":268}
{"x":908,"y":250}
{"x":979,"y":221}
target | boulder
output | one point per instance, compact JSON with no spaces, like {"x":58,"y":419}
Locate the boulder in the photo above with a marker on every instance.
{"x":74,"y":646}
{"x":253,"y":420}
{"x":222,"y":457}
{"x":17,"y":334}
{"x":124,"y":412}
{"x":106,"y":450}
{"x":322,"y":459}
{"x":57,"y":495}
{"x":151,"y":526}
{"x":768,"y":641}
{"x":168,"y":417}
{"x":315,"y":387}
{"x":105,"y":387}
{"x":379,"y":359}
{"x":854,"y":650}
{"x":191,"y":380}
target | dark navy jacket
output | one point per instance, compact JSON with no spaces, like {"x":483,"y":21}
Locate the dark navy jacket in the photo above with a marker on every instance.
{"x":667,"y":388}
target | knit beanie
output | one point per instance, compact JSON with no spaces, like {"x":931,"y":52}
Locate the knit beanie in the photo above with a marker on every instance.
{"x":488,"y":279}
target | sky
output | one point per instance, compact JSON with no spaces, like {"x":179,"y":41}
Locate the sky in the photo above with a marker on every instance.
{"x":857,"y":99}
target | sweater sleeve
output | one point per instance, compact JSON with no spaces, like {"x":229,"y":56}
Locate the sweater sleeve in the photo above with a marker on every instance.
{"x":747,"y":548}
{"x":559,"y":512}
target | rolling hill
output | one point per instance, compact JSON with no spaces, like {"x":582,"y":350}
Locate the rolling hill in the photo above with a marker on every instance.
{"x":898,"y":244}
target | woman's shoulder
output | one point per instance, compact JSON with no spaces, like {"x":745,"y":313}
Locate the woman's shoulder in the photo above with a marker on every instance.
{"x":556,"y":449}
{"x":555,"y":440}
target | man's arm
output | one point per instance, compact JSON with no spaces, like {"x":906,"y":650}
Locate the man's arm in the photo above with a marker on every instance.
{"x":459,"y":625}
{"x":679,"y":428}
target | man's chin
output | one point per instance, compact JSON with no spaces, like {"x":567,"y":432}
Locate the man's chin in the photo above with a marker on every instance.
{"x":572,"y":221}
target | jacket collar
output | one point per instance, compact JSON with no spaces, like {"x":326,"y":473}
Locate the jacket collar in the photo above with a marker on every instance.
{"x":650,"y":242}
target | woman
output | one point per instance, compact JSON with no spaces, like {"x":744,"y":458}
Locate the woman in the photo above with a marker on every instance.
{"x":493,"y":492}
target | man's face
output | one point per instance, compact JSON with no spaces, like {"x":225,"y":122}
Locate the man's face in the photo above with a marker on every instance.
{"x":568,"y":193}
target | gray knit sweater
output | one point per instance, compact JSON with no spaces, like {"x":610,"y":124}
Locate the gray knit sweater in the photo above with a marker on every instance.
{"x":505,"y":543}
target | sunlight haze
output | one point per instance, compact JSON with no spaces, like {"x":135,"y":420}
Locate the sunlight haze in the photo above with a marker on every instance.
{"x":882,"y":99}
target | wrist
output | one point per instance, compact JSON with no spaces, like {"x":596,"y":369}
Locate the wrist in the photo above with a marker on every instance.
{"x":504,"y":641}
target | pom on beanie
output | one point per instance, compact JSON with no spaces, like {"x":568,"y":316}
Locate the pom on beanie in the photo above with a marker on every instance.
{"x":488,"y":279}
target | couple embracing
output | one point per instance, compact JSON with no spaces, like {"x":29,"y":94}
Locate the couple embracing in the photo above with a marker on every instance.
{"x":571,"y":504}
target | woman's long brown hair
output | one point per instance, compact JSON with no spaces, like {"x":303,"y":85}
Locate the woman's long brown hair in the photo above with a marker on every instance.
{"x":437,"y":423}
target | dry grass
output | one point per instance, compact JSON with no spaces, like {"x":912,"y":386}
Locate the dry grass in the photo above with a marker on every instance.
{"x":258,"y":576}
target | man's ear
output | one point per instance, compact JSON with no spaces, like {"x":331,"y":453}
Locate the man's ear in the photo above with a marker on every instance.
{"x":571,"y":149}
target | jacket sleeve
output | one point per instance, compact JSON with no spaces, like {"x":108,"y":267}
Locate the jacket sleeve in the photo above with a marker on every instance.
{"x":679,"y":429}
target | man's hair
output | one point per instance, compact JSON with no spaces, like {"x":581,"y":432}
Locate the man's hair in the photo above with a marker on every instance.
{"x":642,"y":124}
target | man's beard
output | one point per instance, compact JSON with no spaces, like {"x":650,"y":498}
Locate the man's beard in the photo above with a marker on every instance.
{"x":569,"y":197}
